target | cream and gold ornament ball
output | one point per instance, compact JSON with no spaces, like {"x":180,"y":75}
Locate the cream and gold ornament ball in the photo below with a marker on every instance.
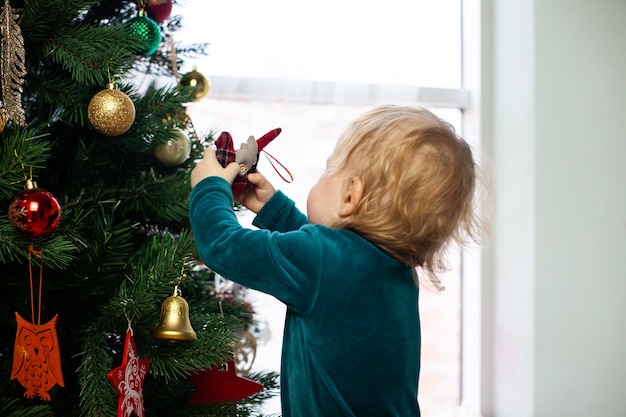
{"x":111,"y":112}
{"x":175,"y":151}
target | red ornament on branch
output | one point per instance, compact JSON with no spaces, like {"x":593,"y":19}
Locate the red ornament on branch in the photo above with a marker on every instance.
{"x":159,"y":10}
{"x":221,"y":384}
{"x":34,"y":212}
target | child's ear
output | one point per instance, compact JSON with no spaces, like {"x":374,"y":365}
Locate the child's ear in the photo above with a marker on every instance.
{"x":351,"y":196}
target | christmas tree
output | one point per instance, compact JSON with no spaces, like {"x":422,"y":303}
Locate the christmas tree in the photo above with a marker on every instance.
{"x":95,"y":247}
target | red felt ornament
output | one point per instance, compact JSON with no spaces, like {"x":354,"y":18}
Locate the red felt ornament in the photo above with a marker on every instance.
{"x":221,"y":384}
{"x":128,"y":380}
{"x":36,"y":357}
{"x":34,"y":212}
{"x":247,"y":156}
{"x":159,"y":10}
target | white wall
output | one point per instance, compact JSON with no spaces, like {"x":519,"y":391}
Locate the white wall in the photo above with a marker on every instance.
{"x":557,"y":340}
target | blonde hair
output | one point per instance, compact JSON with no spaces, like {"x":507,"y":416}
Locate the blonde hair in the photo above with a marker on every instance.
{"x":419,"y":179}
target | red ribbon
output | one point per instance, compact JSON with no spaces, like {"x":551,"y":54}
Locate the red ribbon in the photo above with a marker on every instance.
{"x":37,"y":253}
{"x":271,"y":158}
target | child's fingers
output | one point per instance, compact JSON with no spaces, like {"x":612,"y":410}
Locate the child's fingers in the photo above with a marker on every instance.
{"x":210,"y":153}
{"x":231,"y":171}
{"x":255,"y":178}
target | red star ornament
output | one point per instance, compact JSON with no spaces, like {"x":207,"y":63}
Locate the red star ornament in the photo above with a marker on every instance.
{"x":128,"y":380}
{"x":218,"y":385}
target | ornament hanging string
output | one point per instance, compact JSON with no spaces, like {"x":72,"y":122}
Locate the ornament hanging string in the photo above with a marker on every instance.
{"x":37,"y":253}
{"x":177,"y":291}
{"x":129,"y":320}
{"x":182,"y":272}
{"x":191,"y":129}
{"x":111,"y":80}
{"x":173,"y":53}
{"x":26,"y":177}
{"x":273,"y":160}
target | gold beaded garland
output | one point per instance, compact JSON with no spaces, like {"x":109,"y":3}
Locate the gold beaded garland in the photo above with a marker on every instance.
{"x":111,"y":112}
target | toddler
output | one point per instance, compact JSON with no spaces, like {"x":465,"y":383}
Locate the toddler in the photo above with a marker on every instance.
{"x":398,"y":188}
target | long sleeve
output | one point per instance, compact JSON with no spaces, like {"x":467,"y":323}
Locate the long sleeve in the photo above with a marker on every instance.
{"x":280,"y":214}
{"x":279,"y":264}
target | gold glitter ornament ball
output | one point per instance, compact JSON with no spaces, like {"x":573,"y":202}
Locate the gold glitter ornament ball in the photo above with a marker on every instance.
{"x":111,"y":112}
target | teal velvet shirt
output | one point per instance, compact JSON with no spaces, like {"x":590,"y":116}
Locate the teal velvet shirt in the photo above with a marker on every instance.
{"x":351,"y":344}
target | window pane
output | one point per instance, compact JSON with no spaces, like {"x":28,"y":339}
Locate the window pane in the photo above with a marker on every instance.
{"x":406,"y":42}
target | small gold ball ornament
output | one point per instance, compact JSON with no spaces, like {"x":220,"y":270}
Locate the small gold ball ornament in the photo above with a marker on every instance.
{"x":4,"y":118}
{"x":175,"y":151}
{"x":199,"y":83}
{"x":111,"y":112}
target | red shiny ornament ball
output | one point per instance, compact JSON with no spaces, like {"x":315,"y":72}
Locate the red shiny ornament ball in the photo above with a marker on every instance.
{"x":159,"y":10}
{"x":34,"y":212}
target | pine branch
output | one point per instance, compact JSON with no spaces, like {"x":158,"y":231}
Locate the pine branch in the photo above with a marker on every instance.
{"x":161,"y":102}
{"x":106,"y":245}
{"x":40,"y":18}
{"x":13,"y":408}
{"x":174,"y":361}
{"x":270,"y":384}
{"x":159,"y":201}
{"x":22,"y":149}
{"x":57,"y":251}
{"x":97,"y":397}
{"x":164,"y":254}
{"x":92,"y":54}
{"x":10,"y":250}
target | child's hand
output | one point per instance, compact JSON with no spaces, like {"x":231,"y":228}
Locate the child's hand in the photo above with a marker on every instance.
{"x":209,"y":166}
{"x":258,"y":191}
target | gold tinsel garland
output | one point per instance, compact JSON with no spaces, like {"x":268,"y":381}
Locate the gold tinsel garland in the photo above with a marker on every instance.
{"x":12,"y":67}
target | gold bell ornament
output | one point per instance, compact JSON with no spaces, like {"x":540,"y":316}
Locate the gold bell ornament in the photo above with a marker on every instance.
{"x":199,"y":84}
{"x":174,"y":322}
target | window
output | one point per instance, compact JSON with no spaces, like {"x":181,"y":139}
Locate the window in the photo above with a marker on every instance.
{"x":310,"y":68}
